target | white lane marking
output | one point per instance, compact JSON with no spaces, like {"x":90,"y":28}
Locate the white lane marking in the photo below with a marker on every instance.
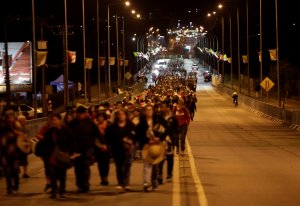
{"x":198,"y":184}
{"x":176,"y":198}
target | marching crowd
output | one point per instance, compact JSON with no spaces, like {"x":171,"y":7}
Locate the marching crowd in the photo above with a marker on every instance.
{"x":152,"y":127}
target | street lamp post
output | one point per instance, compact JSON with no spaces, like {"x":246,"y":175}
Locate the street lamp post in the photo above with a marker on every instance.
{"x":248,"y":47}
{"x":124,"y":54}
{"x":261,"y":46}
{"x":239,"y":49}
{"x":277,"y":50}
{"x":84,"y":51}
{"x":223,"y":48}
{"x":231,"y":63}
{"x":34,"y":60}
{"x":108,"y":49}
{"x":98,"y":52}
{"x":66,"y":69}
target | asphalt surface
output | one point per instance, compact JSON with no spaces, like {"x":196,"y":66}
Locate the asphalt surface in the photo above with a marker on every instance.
{"x":234,"y":158}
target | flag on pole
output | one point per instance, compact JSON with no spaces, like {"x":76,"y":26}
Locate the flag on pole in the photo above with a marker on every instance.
{"x":225,"y":58}
{"x":200,"y":49}
{"x":245,"y":59}
{"x":42,"y":45}
{"x":126,"y":63}
{"x":41,"y":58}
{"x":136,"y":54}
{"x":88,"y":63}
{"x":72,"y":57}
{"x":112,"y":61}
{"x":229,"y":60}
{"x":259,"y":56}
{"x":273,"y":54}
{"x":102,"y":61}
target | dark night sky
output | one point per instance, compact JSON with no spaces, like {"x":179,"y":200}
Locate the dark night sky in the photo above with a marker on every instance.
{"x":159,"y":13}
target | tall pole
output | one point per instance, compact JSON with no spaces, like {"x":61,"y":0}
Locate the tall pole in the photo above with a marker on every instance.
{"x":98,"y":52}
{"x":118,"y":54}
{"x":34,"y":61}
{"x":84,"y":51}
{"x":66,"y":70}
{"x":108,"y":50}
{"x":261,"y":46}
{"x":239,"y":49}
{"x":44,"y":103}
{"x":248,"y":48}
{"x":124,"y":53}
{"x":277,"y":50}
{"x":223,"y":48}
{"x":7,"y":73}
{"x":137,"y":58}
{"x":231,"y":63}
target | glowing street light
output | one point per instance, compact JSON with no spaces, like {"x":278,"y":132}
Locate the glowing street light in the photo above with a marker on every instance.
{"x":127,"y":3}
{"x":138,"y":16}
{"x":220,"y":6}
{"x":133,"y":11}
{"x":214,"y":13}
{"x":209,"y":14}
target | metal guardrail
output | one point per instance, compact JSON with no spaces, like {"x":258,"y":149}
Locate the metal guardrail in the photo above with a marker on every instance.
{"x":33,"y":126}
{"x":263,"y":107}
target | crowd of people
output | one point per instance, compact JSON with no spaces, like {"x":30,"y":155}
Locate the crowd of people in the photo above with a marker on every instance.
{"x":152,"y":127}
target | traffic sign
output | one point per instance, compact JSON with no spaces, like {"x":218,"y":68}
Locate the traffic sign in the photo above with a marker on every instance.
{"x":267,"y":84}
{"x":128,"y":75}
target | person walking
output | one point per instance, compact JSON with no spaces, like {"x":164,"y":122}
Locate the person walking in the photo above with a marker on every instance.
{"x":121,"y":136}
{"x":183,"y":118}
{"x":9,"y":157}
{"x":58,"y":137}
{"x":85,"y":131}
{"x":151,"y":131}
{"x":172,"y":126}
{"x":102,"y":152}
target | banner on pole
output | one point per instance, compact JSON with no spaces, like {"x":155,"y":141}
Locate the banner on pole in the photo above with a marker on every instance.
{"x":112,"y":61}
{"x":273,"y":54}
{"x":229,"y":60}
{"x":72,"y":57}
{"x":102,"y":61}
{"x":42,"y":45}
{"x":245,"y":59}
{"x":41,"y":58}
{"x":126,"y":63}
{"x":88,"y":64}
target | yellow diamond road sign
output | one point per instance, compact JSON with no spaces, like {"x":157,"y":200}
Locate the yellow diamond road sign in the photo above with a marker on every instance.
{"x":267,"y":84}
{"x":128,"y":75}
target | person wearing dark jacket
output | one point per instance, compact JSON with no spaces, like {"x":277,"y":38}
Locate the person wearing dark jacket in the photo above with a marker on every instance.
{"x":151,"y":130}
{"x":120,"y":136}
{"x":172,"y":128}
{"x":85,"y":131}
{"x":57,"y":136}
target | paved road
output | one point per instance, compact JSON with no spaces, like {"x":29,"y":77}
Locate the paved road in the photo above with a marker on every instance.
{"x":243,"y":159}
{"x":234,"y":158}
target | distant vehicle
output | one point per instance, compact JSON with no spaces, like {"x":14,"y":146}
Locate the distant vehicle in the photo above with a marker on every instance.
{"x":207,"y":76}
{"x":161,"y":64}
{"x":195,"y":66}
{"x":23,"y":109}
{"x":193,"y":75}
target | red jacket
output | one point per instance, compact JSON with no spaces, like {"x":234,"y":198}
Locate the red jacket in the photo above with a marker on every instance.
{"x":183,"y":116}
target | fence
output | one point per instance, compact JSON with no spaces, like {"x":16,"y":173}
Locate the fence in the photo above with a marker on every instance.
{"x":33,"y":126}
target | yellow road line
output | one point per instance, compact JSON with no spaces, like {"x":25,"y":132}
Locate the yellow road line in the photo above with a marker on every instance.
{"x":198,"y":184}
{"x":176,"y":198}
